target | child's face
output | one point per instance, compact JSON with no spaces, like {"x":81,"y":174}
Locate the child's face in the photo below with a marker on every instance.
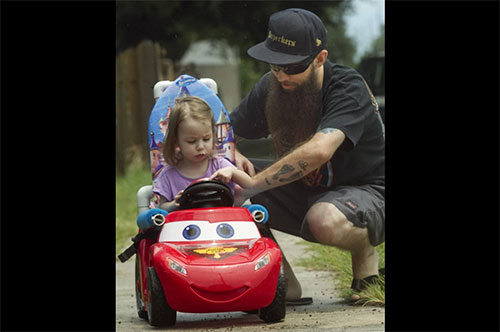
{"x":195,"y":139}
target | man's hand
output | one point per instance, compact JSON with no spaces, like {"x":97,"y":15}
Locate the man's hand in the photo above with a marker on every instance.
{"x":244,"y":164}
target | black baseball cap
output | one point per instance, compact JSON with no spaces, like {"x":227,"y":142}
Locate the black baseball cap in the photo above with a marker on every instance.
{"x":294,"y":35}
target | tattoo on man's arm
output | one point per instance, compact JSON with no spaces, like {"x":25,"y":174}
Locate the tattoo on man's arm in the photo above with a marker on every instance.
{"x":328,"y":130}
{"x":284,"y":170}
{"x":295,"y":176}
{"x":267,"y":181}
{"x":303,"y":165}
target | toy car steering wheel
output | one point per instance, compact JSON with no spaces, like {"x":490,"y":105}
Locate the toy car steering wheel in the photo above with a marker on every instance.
{"x":206,"y":193}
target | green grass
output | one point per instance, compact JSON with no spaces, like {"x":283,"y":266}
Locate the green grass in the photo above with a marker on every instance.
{"x":137,"y":175}
{"x":326,"y":258}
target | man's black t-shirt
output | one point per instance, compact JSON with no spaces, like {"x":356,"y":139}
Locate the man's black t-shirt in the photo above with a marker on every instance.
{"x":349,"y":106}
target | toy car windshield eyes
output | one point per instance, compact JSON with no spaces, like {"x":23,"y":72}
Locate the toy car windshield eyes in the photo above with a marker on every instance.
{"x":199,"y":230}
{"x":192,"y":231}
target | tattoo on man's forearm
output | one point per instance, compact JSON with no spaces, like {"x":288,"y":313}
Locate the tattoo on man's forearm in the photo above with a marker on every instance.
{"x":328,"y":130}
{"x":303,"y":164}
{"x":284,"y":170}
{"x":294,"y":177}
{"x":267,"y":181}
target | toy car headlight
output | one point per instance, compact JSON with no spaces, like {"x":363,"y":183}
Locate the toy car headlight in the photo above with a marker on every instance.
{"x":263,"y":262}
{"x":176,"y":267}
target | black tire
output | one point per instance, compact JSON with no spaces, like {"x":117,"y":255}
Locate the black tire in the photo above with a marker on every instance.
{"x":159,"y":312}
{"x":276,"y":311}
{"x":141,"y":311}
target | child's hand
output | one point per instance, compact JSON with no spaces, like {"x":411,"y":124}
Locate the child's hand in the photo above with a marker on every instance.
{"x":224,"y":174}
{"x":177,"y":197}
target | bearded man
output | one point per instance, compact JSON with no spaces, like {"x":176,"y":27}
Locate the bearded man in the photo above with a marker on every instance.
{"x":328,"y":182}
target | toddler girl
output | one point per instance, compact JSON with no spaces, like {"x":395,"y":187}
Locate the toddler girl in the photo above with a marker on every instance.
{"x":189,"y":150}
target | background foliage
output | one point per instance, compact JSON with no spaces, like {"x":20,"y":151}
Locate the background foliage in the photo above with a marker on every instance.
{"x":176,"y":24}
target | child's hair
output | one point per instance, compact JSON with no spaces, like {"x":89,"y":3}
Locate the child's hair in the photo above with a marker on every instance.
{"x":188,"y":106}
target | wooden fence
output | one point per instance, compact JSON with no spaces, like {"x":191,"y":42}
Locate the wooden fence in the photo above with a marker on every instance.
{"x":137,"y":70}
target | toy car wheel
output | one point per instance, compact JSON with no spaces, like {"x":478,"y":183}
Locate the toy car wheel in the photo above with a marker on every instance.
{"x":276,"y":311}
{"x":141,"y":312}
{"x":159,"y":312}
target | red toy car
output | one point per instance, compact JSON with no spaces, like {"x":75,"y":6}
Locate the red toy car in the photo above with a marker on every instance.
{"x":208,"y":257}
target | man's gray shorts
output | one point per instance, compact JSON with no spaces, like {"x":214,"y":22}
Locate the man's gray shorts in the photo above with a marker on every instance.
{"x":364,"y":206}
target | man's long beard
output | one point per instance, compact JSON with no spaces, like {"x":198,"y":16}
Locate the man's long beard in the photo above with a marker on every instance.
{"x":292,"y":116}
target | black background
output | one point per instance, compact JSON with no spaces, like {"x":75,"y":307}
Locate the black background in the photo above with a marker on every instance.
{"x":57,"y":166}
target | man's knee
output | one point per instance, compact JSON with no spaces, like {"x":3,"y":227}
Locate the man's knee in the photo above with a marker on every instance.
{"x":326,"y":223}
